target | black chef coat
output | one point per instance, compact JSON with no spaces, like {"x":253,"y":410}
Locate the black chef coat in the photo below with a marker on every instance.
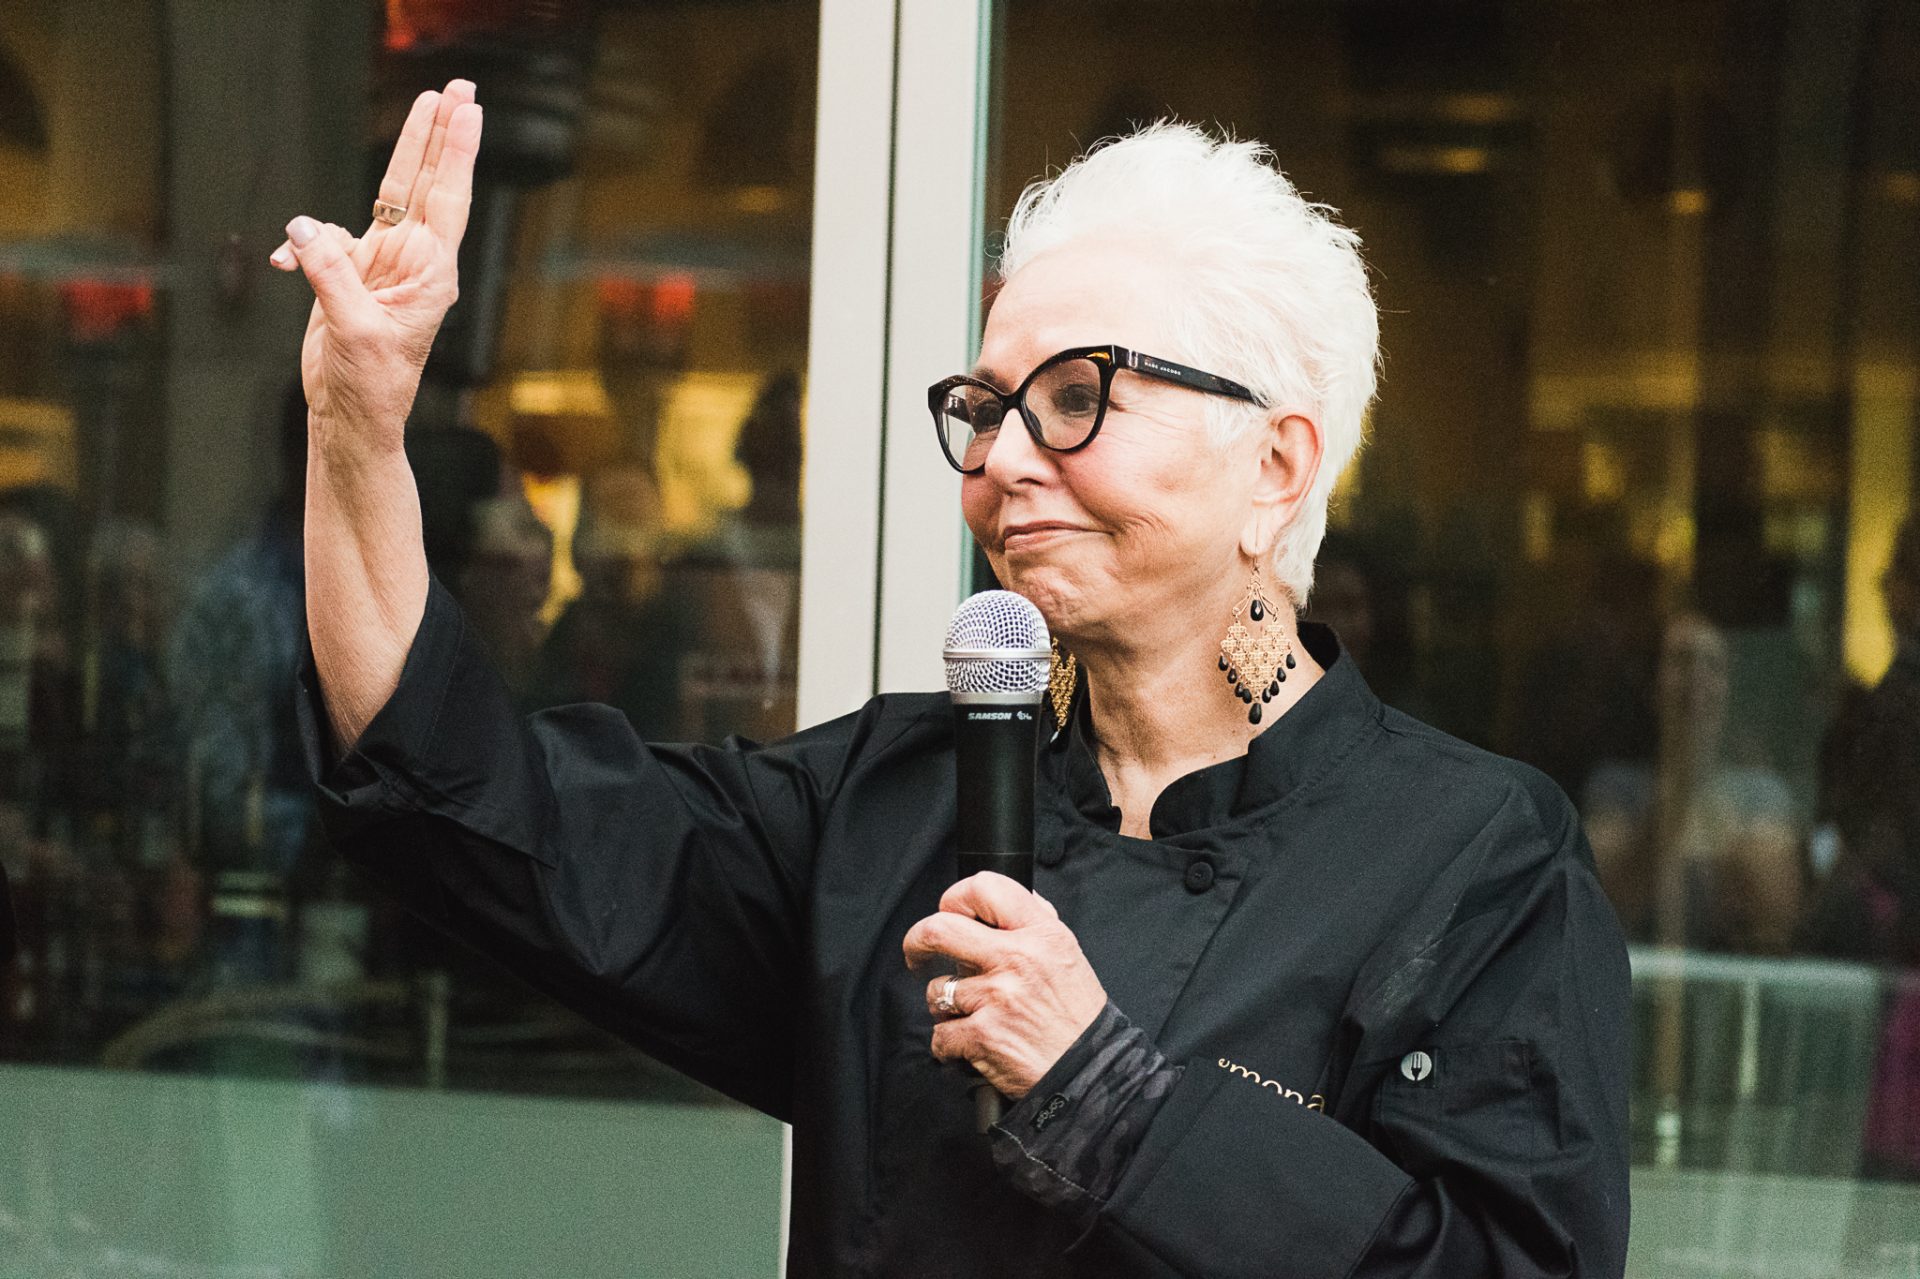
{"x":1380,"y":955}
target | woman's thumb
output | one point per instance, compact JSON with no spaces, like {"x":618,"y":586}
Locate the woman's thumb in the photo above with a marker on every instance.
{"x":329,"y":268}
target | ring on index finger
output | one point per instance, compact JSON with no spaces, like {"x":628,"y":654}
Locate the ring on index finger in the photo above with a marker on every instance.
{"x":945,"y":1004}
{"x":388,"y":212}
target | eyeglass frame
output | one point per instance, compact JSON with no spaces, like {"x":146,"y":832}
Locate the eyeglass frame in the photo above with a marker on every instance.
{"x":1109,"y":359}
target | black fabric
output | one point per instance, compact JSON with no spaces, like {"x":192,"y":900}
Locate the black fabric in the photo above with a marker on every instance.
{"x":1373,"y":888}
{"x":1067,"y":1143}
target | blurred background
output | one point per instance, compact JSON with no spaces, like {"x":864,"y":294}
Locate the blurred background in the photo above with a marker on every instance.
{"x":1637,"y":507}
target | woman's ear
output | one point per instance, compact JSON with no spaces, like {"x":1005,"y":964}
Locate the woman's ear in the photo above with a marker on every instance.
{"x":1289,"y":457}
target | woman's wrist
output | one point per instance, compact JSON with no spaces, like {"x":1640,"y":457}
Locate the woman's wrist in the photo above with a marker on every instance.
{"x":353,"y":460}
{"x":1068,"y":1142}
{"x":355,"y":439}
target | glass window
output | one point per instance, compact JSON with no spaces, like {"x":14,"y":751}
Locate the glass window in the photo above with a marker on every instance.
{"x":607,"y":445}
{"x":1637,"y":506}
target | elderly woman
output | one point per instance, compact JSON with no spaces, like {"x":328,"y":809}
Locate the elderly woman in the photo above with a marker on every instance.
{"x":1304,"y":987}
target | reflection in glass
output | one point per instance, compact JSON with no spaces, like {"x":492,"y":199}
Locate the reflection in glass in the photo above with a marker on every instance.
{"x":607,"y":445}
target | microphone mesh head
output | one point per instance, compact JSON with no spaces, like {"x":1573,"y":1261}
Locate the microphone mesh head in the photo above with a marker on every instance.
{"x":997,"y":620}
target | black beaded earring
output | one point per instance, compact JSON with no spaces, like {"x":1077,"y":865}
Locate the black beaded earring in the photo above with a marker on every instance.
{"x":1263,"y":659}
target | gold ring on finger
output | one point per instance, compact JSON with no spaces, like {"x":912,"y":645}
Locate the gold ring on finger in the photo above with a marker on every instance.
{"x":389,"y":213}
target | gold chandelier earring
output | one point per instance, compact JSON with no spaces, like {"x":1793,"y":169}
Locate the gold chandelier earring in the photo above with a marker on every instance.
{"x":1256,"y":665}
{"x":1062,"y":674}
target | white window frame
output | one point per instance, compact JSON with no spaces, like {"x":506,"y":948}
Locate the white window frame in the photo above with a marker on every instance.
{"x":899,"y":149}
{"x":895,"y":292}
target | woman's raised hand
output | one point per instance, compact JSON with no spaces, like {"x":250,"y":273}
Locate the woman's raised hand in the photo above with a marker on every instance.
{"x":379,"y":299}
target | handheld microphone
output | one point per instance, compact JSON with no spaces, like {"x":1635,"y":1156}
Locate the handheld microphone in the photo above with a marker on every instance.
{"x":997,"y":661}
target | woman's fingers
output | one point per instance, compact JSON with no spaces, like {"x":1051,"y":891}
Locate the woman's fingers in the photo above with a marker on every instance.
{"x":422,"y":170}
{"x":968,"y":993}
{"x":325,"y":255}
{"x":410,"y":151}
{"x":936,"y":941}
{"x":456,"y":94}
{"x":450,"y":196}
{"x":283,"y":258}
{"x":998,"y":901}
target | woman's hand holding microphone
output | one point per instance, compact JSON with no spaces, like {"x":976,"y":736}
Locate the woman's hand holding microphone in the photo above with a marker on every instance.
{"x":1028,"y":992}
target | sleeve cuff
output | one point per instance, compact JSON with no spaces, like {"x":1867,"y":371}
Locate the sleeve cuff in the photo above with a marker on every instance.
{"x":1068,"y":1141}
{"x":403,"y":728}
{"x":445,"y":743}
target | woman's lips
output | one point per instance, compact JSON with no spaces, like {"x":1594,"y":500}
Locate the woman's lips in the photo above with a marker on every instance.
{"x":1026,"y":537}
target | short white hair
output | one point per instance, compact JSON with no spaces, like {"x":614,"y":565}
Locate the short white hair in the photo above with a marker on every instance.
{"x":1278,"y":297}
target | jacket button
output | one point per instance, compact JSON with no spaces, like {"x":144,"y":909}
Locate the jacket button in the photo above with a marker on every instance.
{"x":1199,"y":875}
{"x":1050,"y":855}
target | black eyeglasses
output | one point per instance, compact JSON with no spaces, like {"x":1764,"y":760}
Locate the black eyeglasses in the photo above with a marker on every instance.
{"x":1062,"y":402}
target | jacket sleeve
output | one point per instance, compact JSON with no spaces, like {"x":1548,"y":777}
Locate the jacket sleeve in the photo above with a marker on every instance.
{"x":1502,"y":1152}
{"x":658,"y":890}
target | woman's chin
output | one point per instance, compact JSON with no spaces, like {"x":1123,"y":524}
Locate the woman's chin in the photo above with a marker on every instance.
{"x":1051,"y":590}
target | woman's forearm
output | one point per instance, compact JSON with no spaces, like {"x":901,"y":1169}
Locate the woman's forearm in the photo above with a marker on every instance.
{"x":378,"y":301}
{"x":366,"y":572}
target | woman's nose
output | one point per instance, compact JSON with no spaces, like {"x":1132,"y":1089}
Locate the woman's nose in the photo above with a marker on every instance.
{"x":1013,"y":455}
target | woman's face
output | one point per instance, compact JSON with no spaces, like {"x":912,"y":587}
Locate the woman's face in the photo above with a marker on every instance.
{"x":1145,"y":522}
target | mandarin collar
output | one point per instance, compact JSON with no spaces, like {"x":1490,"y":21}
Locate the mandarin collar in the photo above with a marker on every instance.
{"x":1296,"y":748}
